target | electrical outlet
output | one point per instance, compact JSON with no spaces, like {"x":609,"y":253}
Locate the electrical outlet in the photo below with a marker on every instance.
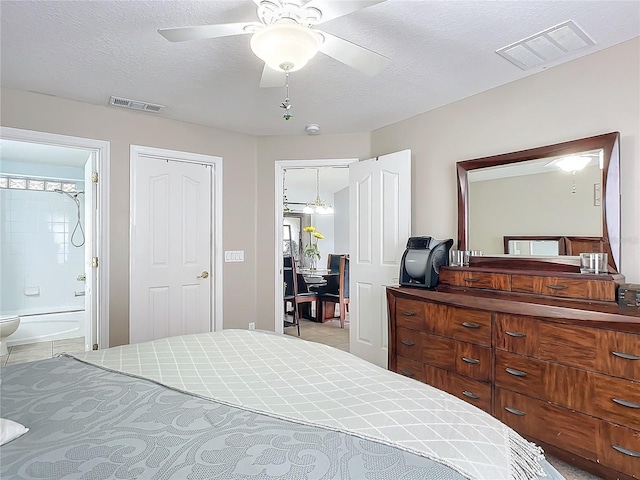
{"x":252,"y":325}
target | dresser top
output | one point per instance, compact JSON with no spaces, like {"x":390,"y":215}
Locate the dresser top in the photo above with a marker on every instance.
{"x":580,"y":312}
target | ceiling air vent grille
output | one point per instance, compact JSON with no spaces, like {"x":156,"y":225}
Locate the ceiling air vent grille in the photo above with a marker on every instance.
{"x":547,"y":46}
{"x":135,"y":104}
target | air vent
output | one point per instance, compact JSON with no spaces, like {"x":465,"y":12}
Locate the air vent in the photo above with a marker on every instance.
{"x":135,"y":104}
{"x":546,"y":46}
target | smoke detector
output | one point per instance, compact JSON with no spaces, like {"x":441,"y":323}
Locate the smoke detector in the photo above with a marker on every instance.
{"x":312,"y":129}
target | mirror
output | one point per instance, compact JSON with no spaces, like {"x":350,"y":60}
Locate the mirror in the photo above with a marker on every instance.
{"x":533,"y":194}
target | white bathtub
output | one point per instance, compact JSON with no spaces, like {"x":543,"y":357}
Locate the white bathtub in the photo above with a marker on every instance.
{"x":48,"y":326}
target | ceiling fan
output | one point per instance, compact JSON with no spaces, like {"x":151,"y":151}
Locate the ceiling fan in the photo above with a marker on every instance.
{"x":286,"y":38}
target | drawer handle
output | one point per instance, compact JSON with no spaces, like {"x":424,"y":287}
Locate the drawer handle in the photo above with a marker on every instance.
{"x":626,"y":451}
{"x":473,"y":361}
{"x":515,"y":411}
{"x":626,"y":356}
{"x":626,"y":403}
{"x":470,"y":395}
{"x":516,"y":373}
{"x":407,"y":313}
{"x":471,"y":280}
{"x":470,"y":325}
{"x":407,"y":343}
{"x":515,"y":334}
{"x":557,"y":287}
{"x":407,"y":373}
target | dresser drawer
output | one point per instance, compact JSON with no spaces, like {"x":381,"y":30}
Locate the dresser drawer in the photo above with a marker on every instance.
{"x":410,"y":314}
{"x":565,"y":386}
{"x":561,"y":427}
{"x":565,"y":287}
{"x":473,"y":361}
{"x":471,"y":391}
{"x":618,"y":354}
{"x":616,"y":400}
{"x":464,"y":277}
{"x":520,"y":374}
{"x":461,"y":323}
{"x":409,"y":343}
{"x":609,"y":398}
{"x":461,"y":357}
{"x":620,"y":449}
{"x":609,"y":352}
{"x":410,"y":368}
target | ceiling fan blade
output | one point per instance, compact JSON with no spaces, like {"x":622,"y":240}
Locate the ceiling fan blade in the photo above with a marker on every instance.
{"x":362,"y":59}
{"x":337,"y":8}
{"x":271,"y":78}
{"x":201,"y":32}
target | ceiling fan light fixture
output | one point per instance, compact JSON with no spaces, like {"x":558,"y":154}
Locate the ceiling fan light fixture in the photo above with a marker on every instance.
{"x":573,"y":163}
{"x":285,"y":45}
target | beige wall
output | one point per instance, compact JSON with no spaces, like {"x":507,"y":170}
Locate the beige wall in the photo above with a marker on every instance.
{"x":271,"y":149}
{"x":122,"y":128}
{"x":595,"y":94}
{"x":540,"y":204}
{"x":592,"y":95}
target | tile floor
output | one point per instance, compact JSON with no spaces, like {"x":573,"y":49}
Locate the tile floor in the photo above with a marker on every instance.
{"x":328,"y":333}
{"x":41,"y":350}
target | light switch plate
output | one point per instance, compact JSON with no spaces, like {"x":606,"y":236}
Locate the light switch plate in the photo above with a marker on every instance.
{"x":234,"y":256}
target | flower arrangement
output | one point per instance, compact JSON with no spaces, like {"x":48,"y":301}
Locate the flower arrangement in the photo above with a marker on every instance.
{"x":312,"y":252}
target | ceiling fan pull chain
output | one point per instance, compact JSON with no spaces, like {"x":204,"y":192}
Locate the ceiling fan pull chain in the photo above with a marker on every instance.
{"x":286,"y":104}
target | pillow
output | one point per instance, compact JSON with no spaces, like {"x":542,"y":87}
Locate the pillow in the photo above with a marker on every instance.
{"x":10,"y":430}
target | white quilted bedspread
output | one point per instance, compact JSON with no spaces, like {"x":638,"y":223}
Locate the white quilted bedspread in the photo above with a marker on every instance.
{"x":315,"y":384}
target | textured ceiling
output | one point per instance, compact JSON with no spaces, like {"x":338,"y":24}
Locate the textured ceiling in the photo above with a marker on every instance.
{"x":440,"y":52}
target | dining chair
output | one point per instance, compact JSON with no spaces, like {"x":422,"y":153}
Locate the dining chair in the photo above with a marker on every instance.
{"x":295,"y":292}
{"x":340,"y":295}
{"x":333,"y":262}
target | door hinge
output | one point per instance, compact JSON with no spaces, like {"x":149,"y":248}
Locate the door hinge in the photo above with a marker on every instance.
{"x":94,"y":262}
{"x":94,"y":177}
{"x":95,"y":346}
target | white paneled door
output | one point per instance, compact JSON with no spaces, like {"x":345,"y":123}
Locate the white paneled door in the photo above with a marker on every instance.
{"x":380,"y":213}
{"x":171,"y":234}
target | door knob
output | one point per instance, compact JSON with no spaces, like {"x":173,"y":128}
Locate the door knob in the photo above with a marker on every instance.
{"x":205,"y":274}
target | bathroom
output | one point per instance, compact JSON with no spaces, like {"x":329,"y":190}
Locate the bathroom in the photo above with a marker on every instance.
{"x":42,"y":245}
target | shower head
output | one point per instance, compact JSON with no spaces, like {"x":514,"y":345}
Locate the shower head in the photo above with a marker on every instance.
{"x":72,"y":195}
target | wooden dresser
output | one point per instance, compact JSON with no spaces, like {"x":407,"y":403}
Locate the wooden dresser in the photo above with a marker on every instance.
{"x":547,"y":352}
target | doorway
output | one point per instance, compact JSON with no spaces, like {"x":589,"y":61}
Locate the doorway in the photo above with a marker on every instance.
{"x":280,"y":176}
{"x":380,"y":224}
{"x":63,"y":185}
{"x":176,"y":244}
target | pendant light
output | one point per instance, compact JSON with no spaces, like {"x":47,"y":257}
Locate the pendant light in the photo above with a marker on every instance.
{"x":318,"y":206}
{"x":572,"y":165}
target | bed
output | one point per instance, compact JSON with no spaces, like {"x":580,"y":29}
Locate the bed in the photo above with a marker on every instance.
{"x":241,"y":404}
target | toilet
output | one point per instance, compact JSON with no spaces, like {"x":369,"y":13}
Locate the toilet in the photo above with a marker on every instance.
{"x":8,"y":325}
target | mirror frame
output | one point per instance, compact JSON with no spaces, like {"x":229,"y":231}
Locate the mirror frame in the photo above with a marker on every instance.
{"x":610,"y":187}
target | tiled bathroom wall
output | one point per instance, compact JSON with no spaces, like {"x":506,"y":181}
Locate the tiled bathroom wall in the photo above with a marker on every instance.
{"x":39,"y":265}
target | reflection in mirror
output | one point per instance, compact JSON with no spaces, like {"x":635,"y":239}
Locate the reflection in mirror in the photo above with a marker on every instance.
{"x":533,"y":247}
{"x":546,"y":193}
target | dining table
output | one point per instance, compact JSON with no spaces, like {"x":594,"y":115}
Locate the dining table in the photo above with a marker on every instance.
{"x":318,"y":277}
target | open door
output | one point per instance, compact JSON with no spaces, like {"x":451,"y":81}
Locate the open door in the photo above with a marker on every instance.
{"x":90,"y":252}
{"x":380,"y":213}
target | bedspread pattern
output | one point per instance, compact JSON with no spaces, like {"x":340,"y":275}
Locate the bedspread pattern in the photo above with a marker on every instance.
{"x":89,"y":423}
{"x":317,"y":385}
